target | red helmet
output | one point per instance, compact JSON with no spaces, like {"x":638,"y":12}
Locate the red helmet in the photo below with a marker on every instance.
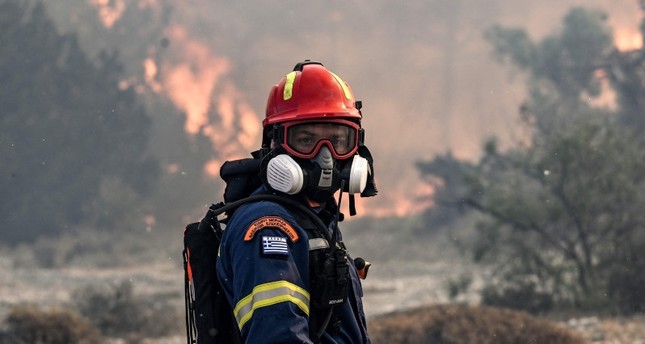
{"x":310,"y":92}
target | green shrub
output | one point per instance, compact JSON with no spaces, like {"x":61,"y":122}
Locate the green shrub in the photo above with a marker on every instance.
{"x":28,"y":325}
{"x":461,"y":324}
{"x":458,"y":286}
{"x":118,"y":312}
{"x":626,"y":285}
{"x":522,"y":296}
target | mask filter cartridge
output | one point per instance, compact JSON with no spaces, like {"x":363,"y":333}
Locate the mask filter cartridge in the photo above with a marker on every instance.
{"x":285,"y":175}
{"x":358,"y":175}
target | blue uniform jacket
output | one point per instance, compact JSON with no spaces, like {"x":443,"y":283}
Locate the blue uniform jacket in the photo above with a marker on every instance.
{"x":263,"y":267}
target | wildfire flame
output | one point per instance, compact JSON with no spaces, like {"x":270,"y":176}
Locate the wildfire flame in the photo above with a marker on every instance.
{"x":151,"y":70}
{"x":197,"y":83}
{"x":109,"y":11}
{"x":607,"y":97}
{"x":628,"y":39}
{"x":405,"y":201}
{"x":190,"y":82}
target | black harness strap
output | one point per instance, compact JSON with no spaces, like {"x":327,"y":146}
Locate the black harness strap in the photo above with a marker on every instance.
{"x":220,"y":208}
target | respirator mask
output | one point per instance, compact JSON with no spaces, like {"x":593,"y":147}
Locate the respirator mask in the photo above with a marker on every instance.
{"x":318,"y":178}
{"x":316,"y":159}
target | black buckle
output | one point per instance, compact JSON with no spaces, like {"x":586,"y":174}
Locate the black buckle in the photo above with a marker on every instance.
{"x":300,"y":65}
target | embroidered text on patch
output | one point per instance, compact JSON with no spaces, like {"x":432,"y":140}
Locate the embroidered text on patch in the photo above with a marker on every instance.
{"x":271,"y":222}
{"x":274,"y":245}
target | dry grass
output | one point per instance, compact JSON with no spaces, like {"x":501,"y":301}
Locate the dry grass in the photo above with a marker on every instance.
{"x":618,"y":330}
{"x":460,"y":324}
{"x":29,"y":324}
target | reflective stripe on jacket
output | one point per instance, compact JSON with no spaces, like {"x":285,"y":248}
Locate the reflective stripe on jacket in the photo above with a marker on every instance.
{"x":267,"y":282}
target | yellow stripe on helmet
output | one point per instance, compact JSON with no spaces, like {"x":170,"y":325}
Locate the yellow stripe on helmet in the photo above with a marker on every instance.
{"x":288,"y":86}
{"x":340,"y":81}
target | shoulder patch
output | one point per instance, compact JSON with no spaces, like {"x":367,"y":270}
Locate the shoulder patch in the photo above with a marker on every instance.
{"x":272,"y":245}
{"x":271,"y":222}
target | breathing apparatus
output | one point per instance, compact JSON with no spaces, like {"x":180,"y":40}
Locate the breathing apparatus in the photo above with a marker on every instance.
{"x":313,"y":142}
{"x":317,"y":178}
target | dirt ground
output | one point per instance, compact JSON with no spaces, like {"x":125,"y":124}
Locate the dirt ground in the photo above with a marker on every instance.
{"x":416,"y":281}
{"x":54,"y":287}
{"x":619,"y":330}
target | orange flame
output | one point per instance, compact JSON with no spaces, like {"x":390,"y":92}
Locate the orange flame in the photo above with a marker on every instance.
{"x":150,"y":69}
{"x":628,"y":39}
{"x":110,"y":11}
{"x":405,"y":201}
{"x":607,"y":97}
{"x":197,"y":83}
{"x":190,"y":83}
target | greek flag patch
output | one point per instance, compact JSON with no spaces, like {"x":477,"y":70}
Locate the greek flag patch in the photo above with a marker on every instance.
{"x":274,"y":245}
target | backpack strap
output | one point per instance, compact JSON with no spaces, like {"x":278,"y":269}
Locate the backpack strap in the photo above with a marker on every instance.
{"x":220,"y":208}
{"x":189,"y":290}
{"x":329,"y":275}
{"x":209,"y":317}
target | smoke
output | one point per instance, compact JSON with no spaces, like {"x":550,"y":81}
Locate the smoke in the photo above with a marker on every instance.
{"x":426,"y":75}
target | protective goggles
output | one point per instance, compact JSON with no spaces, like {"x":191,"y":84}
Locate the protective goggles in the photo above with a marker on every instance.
{"x":305,"y":139}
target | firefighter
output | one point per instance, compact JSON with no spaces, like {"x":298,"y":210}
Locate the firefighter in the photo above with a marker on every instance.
{"x":288,"y":280}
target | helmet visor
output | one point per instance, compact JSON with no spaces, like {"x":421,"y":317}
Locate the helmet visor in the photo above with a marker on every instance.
{"x":304,"y":140}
